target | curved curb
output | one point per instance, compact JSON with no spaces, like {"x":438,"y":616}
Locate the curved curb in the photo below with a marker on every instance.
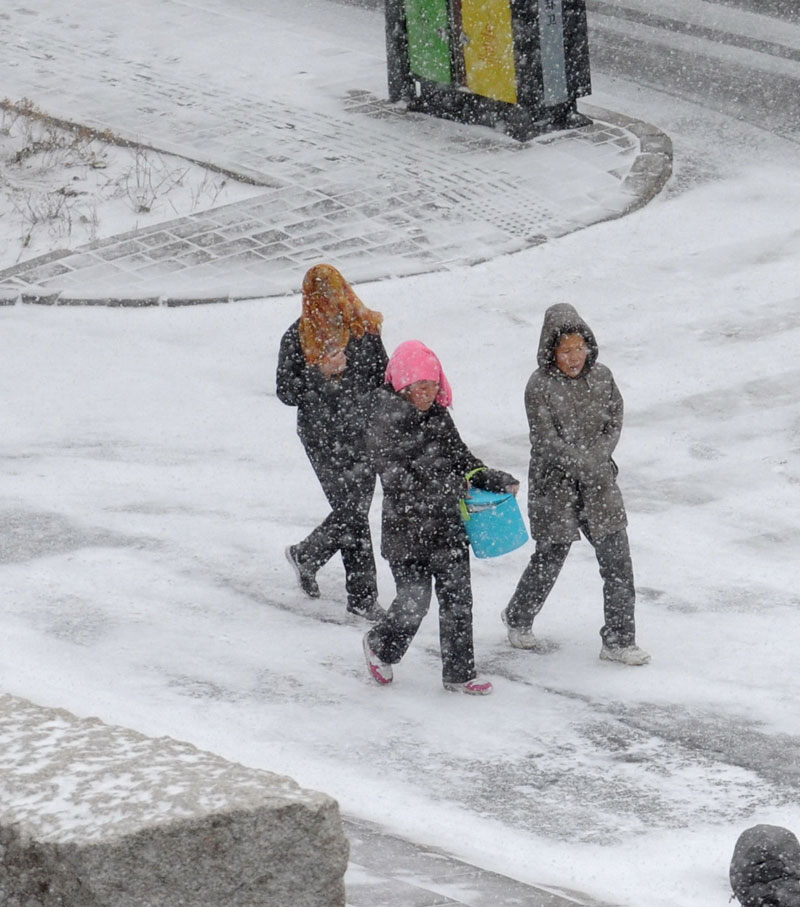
{"x":653,"y":165}
{"x":60,"y":298}
{"x":648,"y":174}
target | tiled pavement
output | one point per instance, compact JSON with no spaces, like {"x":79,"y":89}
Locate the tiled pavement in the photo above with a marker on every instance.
{"x":359,"y":182}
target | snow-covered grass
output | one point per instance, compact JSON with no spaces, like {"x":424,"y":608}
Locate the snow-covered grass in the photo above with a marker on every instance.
{"x":61,"y":187}
{"x":151,"y":481}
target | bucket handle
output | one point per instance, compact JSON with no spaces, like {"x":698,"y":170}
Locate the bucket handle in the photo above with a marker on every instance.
{"x":462,"y":503}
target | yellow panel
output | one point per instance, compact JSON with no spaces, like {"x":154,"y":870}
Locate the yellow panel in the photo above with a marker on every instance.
{"x":489,"y":49}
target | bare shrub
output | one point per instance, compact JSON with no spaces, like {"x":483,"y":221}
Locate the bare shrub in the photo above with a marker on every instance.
{"x":149,"y":179}
{"x":51,"y":210}
{"x":207,"y":191}
{"x":48,"y":185}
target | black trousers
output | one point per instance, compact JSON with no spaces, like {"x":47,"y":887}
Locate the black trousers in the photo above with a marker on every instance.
{"x":448,"y":570}
{"x":616,"y":570}
{"x":349,"y":485}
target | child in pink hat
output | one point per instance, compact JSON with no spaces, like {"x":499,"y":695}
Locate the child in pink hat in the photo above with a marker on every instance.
{"x":422,"y":462}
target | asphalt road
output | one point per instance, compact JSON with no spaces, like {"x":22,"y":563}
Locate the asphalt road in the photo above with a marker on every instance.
{"x":780,"y":9}
{"x":752,"y":78}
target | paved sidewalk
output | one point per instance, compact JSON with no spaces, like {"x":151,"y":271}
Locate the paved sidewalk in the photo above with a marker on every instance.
{"x":386,"y":871}
{"x":347,"y":177}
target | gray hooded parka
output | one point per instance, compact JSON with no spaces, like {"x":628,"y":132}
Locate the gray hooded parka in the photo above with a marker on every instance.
{"x":575,"y":424}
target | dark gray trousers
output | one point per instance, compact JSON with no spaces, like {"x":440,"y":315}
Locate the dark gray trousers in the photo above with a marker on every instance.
{"x":449,"y":572}
{"x":349,"y":488}
{"x":616,"y":570}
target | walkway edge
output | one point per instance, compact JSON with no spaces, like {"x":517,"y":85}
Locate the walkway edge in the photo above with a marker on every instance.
{"x":653,"y":166}
{"x":405,"y":871}
{"x":647,"y":177}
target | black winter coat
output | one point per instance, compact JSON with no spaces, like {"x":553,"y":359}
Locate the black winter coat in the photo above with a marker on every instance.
{"x":422,"y":462}
{"x":331,"y":413}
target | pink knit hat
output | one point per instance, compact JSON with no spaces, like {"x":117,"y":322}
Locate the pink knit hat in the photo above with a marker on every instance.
{"x":413,"y":361}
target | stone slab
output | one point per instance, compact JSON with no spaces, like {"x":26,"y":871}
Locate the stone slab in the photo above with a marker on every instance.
{"x":93,"y":815}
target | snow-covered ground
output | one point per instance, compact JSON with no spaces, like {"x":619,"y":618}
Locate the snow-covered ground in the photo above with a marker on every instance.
{"x":151,"y":480}
{"x":61,"y":188}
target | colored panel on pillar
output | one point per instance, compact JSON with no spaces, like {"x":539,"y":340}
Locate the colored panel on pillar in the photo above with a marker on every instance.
{"x":428,"y":29}
{"x":489,"y":49}
{"x":551,"y":39}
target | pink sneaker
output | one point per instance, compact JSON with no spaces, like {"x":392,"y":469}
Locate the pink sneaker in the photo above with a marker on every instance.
{"x":474,"y":687}
{"x":379,"y":671}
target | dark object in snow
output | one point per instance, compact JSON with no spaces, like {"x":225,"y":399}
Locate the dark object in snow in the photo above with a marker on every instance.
{"x":765,"y":869}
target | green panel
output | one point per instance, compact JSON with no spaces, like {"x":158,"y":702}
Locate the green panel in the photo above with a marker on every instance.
{"x":428,"y":28}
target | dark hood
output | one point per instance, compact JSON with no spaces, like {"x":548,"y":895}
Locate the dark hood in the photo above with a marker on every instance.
{"x":564,"y":319}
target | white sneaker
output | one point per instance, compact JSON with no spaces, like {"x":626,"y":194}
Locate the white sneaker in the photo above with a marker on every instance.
{"x":519,"y":639}
{"x":474,"y":687}
{"x":626,"y":655}
{"x":379,"y":671}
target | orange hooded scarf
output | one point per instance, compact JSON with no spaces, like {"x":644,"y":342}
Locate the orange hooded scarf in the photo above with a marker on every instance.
{"x":332,"y":314}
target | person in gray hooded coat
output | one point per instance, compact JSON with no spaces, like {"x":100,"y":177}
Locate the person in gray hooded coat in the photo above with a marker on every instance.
{"x":574,"y":411}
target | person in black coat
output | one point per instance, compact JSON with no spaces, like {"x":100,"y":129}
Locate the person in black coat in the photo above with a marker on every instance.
{"x":330,"y":360}
{"x":422,"y":462}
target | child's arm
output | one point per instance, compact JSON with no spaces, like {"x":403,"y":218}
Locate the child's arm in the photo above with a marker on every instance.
{"x":465,"y":462}
{"x":607,"y":441}
{"x":584,"y":464}
{"x":544,"y":437}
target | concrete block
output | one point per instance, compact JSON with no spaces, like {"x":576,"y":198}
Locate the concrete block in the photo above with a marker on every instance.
{"x":93,"y":815}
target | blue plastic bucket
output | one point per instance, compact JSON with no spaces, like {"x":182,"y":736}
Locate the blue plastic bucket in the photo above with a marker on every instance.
{"x":493,"y":523}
